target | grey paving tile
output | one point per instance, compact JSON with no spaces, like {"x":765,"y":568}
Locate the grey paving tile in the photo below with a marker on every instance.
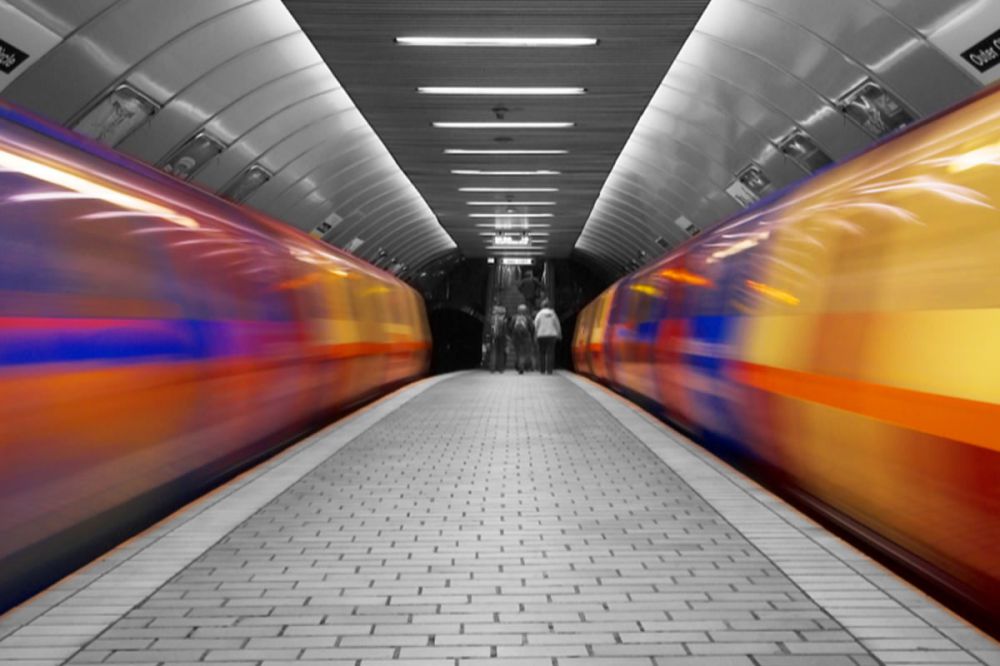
{"x":511,"y":521}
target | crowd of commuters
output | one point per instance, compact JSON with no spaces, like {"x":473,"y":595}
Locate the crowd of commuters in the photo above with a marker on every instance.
{"x":532,"y":339}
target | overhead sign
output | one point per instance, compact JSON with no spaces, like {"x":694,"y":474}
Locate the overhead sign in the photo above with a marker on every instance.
{"x":10,"y":57}
{"x":518,"y":261}
{"x":984,"y":54}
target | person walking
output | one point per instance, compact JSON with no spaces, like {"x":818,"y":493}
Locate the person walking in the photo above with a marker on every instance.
{"x":530,"y":287}
{"x":522,"y":329}
{"x":548,"y":331}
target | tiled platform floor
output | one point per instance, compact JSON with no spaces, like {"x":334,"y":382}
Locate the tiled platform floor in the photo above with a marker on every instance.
{"x":511,"y":520}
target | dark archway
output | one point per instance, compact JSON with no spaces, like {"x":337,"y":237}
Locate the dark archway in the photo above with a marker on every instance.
{"x":457,"y":337}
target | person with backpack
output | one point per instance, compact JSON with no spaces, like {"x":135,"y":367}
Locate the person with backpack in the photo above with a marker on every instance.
{"x":523,"y":331}
{"x":548,"y":330}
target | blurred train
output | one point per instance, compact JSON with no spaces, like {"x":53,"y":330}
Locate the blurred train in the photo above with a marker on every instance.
{"x":843,"y":338}
{"x":154,"y":339}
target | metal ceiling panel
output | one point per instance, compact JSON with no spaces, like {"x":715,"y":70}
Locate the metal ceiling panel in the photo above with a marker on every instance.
{"x":103,"y":51}
{"x":215,"y":43}
{"x":753,"y":73}
{"x":953,"y":27}
{"x":877,"y":42}
{"x":255,"y":123}
{"x":201,"y":101}
{"x":60,"y":16}
{"x":242,"y":72}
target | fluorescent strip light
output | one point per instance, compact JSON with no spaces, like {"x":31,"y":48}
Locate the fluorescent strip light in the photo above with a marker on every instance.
{"x":525,"y":228}
{"x":477,"y":172}
{"x":514,"y":261}
{"x":510,"y":203}
{"x":497,"y":41}
{"x":521,"y":227}
{"x":513,"y":249}
{"x":508,"y":189}
{"x":524,"y":125}
{"x":515,"y":151}
{"x":513,"y":231}
{"x":517,"y":215}
{"x":501,"y":90}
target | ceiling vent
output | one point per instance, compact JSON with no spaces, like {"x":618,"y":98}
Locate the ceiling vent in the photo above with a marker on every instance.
{"x":800,"y":147}
{"x":749,"y":186}
{"x":354,"y":245}
{"x":246,"y":183}
{"x":326,"y":226}
{"x":117,"y":115}
{"x":193,"y":155}
{"x":687,"y":226}
{"x":874,"y":109}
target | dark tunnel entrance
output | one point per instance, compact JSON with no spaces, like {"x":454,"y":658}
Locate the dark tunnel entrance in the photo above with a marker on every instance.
{"x":457,"y":335}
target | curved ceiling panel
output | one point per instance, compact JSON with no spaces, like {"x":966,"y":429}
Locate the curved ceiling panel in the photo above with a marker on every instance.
{"x":256,"y":124}
{"x":763,"y":93}
{"x":240,"y":98}
{"x":201,"y":102}
{"x":62,"y":17}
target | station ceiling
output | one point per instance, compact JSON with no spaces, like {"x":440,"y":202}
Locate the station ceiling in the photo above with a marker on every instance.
{"x":689,"y":110}
{"x":636,"y":41}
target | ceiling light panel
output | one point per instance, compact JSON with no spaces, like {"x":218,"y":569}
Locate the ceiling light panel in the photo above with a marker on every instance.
{"x":498,"y":42}
{"x":509,"y":215}
{"x":507,"y":226}
{"x":503,"y":125}
{"x":533,"y":234}
{"x":478,"y":172}
{"x":513,"y":248}
{"x":501,"y":151}
{"x":499,"y":90}
{"x":510,"y":203}
{"x":508,"y":189}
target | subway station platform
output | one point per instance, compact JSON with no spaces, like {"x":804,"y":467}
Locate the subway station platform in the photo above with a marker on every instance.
{"x":490,"y":519}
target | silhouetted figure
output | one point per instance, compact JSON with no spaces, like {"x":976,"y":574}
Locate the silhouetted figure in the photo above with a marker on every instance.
{"x":522,"y":329}
{"x":530,"y":288}
{"x":497,"y":339}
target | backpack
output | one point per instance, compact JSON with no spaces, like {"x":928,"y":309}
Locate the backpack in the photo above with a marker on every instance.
{"x":520,"y":324}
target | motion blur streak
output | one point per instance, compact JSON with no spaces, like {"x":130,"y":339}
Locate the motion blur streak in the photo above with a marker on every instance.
{"x":845,"y":345}
{"x":134,"y":371}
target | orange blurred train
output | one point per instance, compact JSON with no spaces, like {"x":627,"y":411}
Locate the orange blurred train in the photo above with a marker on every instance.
{"x":154,"y":338}
{"x":844,"y":336}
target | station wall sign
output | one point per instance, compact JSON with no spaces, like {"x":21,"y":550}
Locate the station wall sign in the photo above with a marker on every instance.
{"x":969,"y":34}
{"x":10,"y":57}
{"x":22,"y":42}
{"x":984,"y":55}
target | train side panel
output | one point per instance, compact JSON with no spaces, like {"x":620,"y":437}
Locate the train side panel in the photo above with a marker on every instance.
{"x":154,"y":338}
{"x":843,"y":335}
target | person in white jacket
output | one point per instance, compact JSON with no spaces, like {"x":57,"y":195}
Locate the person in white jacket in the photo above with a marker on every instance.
{"x":547,"y":331}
